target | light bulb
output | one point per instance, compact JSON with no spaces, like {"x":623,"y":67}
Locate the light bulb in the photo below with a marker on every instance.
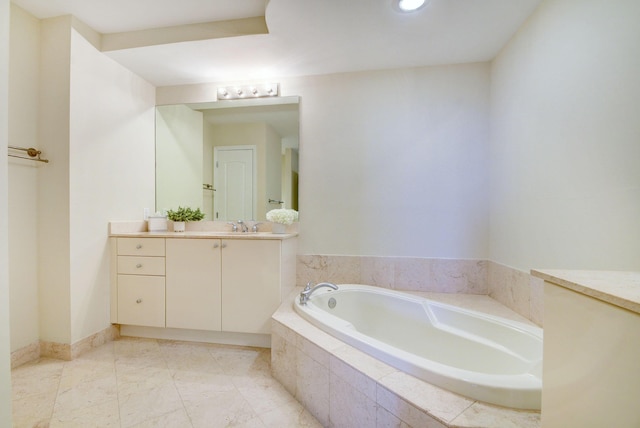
{"x":410,"y":5}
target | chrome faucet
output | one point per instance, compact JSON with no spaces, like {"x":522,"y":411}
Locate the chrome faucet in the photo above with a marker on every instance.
{"x":243,"y":226}
{"x":308,"y":290}
{"x":234,"y":227}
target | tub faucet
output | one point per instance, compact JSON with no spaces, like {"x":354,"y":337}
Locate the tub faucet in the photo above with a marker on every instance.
{"x":308,"y":290}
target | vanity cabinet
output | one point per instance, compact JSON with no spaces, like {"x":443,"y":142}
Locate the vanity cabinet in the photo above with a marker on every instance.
{"x":193,"y":283}
{"x":140,"y":270}
{"x":212,"y":284}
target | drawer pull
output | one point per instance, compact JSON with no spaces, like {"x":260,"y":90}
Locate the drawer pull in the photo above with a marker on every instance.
{"x":139,"y":265}
{"x":139,"y":301}
{"x":138,"y":246}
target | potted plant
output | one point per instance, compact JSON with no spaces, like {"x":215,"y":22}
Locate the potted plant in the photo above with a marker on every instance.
{"x":281,"y":218}
{"x":182,"y":215}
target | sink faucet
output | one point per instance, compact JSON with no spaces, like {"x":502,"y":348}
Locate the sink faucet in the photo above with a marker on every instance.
{"x":243,"y":226}
{"x":234,"y":227}
{"x":308,"y":290}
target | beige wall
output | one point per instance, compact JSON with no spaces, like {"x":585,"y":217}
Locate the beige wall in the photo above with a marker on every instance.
{"x":272,"y":171}
{"x":5,"y":373}
{"x":565,"y":182}
{"x":391,"y":162}
{"x":23,"y":178}
{"x":94,"y":121}
{"x":53,"y":181}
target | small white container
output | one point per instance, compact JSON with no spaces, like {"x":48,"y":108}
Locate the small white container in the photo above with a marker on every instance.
{"x":157,"y":224}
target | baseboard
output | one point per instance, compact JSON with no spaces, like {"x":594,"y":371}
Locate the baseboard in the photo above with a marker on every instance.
{"x":63,"y":351}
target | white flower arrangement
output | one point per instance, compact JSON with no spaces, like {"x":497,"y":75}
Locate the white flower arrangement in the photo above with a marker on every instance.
{"x":282,"y":216}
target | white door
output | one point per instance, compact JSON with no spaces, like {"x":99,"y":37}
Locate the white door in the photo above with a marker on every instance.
{"x":234,"y":180}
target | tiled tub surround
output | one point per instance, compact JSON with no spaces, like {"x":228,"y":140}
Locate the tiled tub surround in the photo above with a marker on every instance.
{"x":342,"y":386}
{"x":513,"y":288}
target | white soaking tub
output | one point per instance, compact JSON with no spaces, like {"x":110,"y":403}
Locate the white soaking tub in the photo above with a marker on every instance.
{"x":480,"y":356}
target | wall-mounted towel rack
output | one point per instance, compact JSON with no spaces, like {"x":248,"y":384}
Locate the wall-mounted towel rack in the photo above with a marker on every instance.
{"x":34,"y":154}
{"x":274,"y":201}
{"x":206,"y":186}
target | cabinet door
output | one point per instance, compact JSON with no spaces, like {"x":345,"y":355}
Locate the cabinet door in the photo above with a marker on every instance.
{"x":193,"y":283}
{"x":141,"y":300}
{"x":251,"y":284}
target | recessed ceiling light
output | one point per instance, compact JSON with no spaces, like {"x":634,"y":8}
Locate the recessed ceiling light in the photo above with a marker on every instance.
{"x":410,"y":5}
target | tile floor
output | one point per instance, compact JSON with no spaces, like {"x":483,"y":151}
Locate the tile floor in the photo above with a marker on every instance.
{"x":155,"y":383}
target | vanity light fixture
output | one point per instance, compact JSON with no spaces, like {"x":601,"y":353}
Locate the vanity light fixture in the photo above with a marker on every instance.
{"x":410,"y":5}
{"x":248,"y":91}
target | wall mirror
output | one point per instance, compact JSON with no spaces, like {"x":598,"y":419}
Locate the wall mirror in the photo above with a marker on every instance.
{"x":235,"y":159}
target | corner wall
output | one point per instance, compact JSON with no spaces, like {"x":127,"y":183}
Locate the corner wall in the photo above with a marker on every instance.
{"x":53,"y":181}
{"x":111,"y":146}
{"x":5,"y":373}
{"x":565,"y":133}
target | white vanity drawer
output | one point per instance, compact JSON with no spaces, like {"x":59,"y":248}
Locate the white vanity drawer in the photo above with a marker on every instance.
{"x":141,"y":247}
{"x":132,"y":265}
{"x":141,"y":300}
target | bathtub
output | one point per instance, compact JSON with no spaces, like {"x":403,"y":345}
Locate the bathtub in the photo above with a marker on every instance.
{"x":480,"y":356}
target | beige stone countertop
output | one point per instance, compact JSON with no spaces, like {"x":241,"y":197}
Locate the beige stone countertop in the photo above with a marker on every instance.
{"x":615,"y":287}
{"x":197,"y":230}
{"x":206,"y":234}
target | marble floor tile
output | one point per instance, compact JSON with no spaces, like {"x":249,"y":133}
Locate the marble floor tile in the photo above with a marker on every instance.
{"x":155,"y":383}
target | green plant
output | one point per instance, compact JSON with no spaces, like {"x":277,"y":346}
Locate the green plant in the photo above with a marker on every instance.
{"x":185,"y":214}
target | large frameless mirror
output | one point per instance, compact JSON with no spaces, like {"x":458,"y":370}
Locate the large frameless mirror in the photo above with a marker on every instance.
{"x":235,"y":159}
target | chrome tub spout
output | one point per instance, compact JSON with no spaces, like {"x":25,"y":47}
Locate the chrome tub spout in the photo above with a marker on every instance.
{"x":309,"y":289}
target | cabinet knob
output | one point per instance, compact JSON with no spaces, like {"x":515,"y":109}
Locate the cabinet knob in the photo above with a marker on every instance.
{"x":138,"y":246}
{"x":139,"y":265}
{"x":224,"y":245}
{"x":215,"y":245}
{"x":139,"y":301}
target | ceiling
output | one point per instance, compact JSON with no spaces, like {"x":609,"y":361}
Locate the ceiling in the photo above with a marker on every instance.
{"x":305,"y":37}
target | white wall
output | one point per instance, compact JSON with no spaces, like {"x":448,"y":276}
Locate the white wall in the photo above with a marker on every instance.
{"x":24,"y":66}
{"x":392,"y":163}
{"x":5,"y":373}
{"x":111,"y":173}
{"x":565,"y":145}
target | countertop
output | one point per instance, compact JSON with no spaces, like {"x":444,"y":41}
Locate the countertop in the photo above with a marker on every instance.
{"x":196,"y":230}
{"x":615,"y":287}
{"x":205,"y":235}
